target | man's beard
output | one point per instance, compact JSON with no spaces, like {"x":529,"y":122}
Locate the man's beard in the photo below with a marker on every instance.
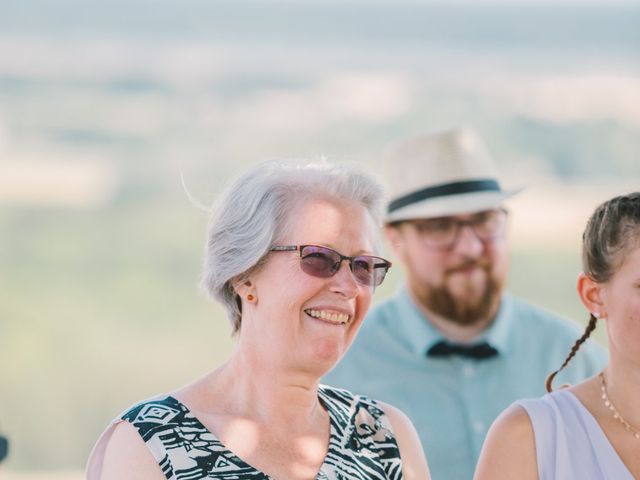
{"x":463,"y":311}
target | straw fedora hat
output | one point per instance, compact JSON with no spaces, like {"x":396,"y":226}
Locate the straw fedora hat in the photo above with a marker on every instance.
{"x":436,"y":175}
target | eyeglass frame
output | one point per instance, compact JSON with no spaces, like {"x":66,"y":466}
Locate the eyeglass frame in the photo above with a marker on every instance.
{"x":292,"y":248}
{"x":459,"y":225}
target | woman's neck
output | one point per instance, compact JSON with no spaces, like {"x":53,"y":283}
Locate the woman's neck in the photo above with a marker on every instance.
{"x":264,"y":391}
{"x":623,"y":389}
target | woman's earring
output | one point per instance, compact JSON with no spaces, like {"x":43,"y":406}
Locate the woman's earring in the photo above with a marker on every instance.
{"x":595,"y":314}
{"x":250,"y":298}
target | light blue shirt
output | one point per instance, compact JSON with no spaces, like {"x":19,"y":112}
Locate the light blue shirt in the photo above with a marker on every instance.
{"x":452,"y":401}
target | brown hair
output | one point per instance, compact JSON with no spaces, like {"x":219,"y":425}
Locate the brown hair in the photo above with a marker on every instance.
{"x":612,"y":229}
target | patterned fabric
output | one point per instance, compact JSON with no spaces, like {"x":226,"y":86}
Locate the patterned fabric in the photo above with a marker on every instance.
{"x":361,"y":446}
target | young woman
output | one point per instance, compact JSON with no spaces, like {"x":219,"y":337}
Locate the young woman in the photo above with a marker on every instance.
{"x":590,"y":431}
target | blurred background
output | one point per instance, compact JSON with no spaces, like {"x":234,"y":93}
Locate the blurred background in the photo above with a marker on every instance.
{"x":107,"y":108}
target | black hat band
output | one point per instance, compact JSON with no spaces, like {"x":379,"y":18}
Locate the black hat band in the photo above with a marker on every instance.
{"x":444,"y":190}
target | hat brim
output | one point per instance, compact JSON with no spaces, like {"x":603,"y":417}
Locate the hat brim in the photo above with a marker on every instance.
{"x":451,"y":205}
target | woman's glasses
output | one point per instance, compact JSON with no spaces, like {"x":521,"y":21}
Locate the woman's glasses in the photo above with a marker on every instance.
{"x":324,"y":262}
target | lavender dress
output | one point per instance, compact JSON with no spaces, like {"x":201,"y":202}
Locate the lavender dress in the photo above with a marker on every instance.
{"x":569,"y":442}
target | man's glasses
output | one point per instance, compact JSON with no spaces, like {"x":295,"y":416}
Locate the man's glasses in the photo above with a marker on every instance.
{"x":324,"y":262}
{"x":443,"y":232}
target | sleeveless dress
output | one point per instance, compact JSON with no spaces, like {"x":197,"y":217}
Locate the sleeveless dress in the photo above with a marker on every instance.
{"x":569,"y":441}
{"x":362,"y":445}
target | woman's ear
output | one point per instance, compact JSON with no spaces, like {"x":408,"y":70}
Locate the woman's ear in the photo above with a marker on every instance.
{"x":244,"y":287}
{"x":590,"y":293}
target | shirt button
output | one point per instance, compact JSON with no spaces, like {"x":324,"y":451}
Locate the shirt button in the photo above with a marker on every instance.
{"x":468,"y":370}
{"x":479,"y":427}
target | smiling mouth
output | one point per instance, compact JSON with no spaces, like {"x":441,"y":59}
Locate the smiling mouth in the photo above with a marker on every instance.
{"x":328,"y":316}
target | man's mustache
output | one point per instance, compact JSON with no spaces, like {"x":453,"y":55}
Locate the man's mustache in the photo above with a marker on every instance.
{"x":479,"y":263}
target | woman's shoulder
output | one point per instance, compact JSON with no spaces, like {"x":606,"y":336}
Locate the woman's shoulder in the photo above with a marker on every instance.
{"x":550,"y":408}
{"x":370,"y":424}
{"x":125,"y":455}
{"x":341,"y":395}
{"x":522,"y":434}
{"x":515,"y":422}
{"x":123,"y":450}
{"x":348,"y":401}
{"x":158,"y":410}
{"x":343,"y":400}
{"x":542,"y":418}
{"x":509,"y":448}
{"x":361,"y":410}
{"x":350,"y":409}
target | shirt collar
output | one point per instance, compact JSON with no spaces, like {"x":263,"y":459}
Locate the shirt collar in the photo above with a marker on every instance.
{"x":416,"y":329}
{"x":422,"y":335}
{"x":497,"y":335}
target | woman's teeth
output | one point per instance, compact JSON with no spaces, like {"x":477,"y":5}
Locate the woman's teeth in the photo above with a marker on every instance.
{"x":337,"y":318}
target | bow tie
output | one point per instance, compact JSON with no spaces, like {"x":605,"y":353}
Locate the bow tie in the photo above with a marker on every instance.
{"x":478,"y":351}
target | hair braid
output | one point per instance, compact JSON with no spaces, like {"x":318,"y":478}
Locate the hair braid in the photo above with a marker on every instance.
{"x":611,"y":232}
{"x":576,"y":346}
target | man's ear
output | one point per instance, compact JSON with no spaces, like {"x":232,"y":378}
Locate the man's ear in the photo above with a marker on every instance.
{"x":590,"y":293}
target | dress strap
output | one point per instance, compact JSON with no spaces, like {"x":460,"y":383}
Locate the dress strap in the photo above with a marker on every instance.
{"x":543,"y":421}
{"x":93,"y":469}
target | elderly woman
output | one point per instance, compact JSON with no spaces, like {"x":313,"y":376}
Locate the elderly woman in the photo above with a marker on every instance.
{"x":291,"y":256}
{"x":590,"y":431}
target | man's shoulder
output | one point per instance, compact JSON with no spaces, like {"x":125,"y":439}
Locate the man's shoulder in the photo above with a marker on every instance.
{"x":535,"y":322}
{"x":539,"y":317}
{"x":378,"y":316}
{"x":383,"y":320}
{"x":378,"y":338}
{"x":387,"y":310}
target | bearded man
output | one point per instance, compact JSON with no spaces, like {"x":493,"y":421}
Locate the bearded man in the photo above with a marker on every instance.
{"x":451,"y":348}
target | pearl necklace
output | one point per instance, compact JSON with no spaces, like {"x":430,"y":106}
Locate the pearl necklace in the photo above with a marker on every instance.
{"x":610,"y":406}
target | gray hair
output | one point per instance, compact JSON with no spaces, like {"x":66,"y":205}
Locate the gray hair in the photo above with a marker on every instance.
{"x":252,"y":215}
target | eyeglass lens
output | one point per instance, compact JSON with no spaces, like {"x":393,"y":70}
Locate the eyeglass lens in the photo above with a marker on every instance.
{"x":444,"y":231}
{"x":325,"y":262}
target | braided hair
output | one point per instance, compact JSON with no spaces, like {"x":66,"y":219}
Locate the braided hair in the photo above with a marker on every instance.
{"x":612,"y":229}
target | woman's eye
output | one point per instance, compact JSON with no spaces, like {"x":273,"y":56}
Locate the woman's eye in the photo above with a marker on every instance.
{"x":363,"y":264}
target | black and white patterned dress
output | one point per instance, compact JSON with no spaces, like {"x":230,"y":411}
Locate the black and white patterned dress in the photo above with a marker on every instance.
{"x":361,"y":446}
